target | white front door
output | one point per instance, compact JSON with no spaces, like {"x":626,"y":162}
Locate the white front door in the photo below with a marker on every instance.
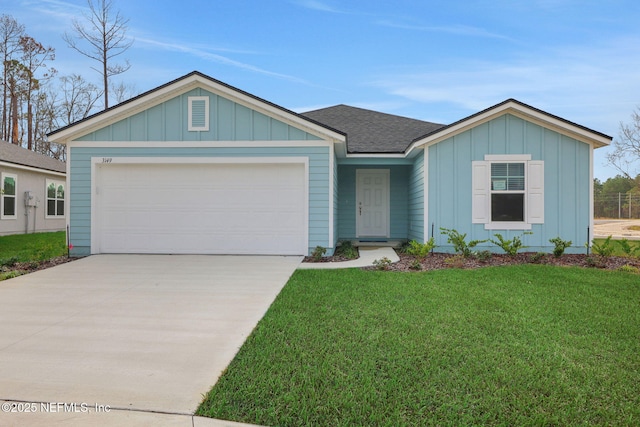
{"x":372,"y":202}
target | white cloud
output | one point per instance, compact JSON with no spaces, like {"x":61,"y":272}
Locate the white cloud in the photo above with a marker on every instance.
{"x":317,"y":5}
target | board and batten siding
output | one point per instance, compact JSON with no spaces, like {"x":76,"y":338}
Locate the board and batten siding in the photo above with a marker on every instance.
{"x":228,"y":121}
{"x":566,"y":182}
{"x":80,"y":183}
{"x":416,"y":200}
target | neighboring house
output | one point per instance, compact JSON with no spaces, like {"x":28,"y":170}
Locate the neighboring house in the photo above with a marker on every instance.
{"x":32,"y":191}
{"x":198,"y":166}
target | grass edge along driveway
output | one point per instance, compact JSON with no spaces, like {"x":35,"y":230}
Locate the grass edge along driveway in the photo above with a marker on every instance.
{"x":520,"y":345}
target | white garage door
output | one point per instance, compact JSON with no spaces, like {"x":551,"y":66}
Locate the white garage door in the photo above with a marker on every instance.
{"x":215,"y":208}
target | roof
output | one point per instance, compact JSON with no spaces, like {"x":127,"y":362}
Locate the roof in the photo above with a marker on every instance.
{"x":180,"y":84}
{"x":11,"y":153}
{"x":371,"y":131}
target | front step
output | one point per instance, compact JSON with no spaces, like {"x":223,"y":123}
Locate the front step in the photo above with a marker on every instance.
{"x":379,"y":244}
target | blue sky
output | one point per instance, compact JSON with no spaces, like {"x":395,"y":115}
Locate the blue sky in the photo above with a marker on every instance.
{"x":430,"y":60}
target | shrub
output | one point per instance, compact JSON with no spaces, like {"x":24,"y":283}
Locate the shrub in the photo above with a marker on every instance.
{"x":347,"y":250}
{"x":628,"y":249}
{"x":318,"y":253}
{"x":560,"y":246}
{"x":421,"y":250}
{"x":537,"y":258}
{"x":382,"y":264}
{"x":510,"y":247}
{"x":604,"y":249}
{"x":415,"y":265}
{"x":483,"y":256}
{"x":459,"y":243}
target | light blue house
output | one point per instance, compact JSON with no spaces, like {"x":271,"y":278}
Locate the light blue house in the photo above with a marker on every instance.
{"x":198,"y":166}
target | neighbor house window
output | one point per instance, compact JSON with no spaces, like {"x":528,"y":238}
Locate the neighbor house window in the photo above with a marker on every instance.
{"x":508,"y":192}
{"x":9,"y":186}
{"x":198,"y":113}
{"x":55,"y":198}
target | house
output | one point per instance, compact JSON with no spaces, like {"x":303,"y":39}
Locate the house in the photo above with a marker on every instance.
{"x":32,"y":191}
{"x":198,"y":166}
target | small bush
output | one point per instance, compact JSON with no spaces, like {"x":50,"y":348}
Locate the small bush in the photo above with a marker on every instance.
{"x":416,"y":265}
{"x":596,"y":261}
{"x":483,"y":256}
{"x":318,"y":253}
{"x":421,"y":250}
{"x":459,"y":243}
{"x":537,"y":258}
{"x":347,"y":250}
{"x":455,"y":261}
{"x":560,"y":246}
{"x":510,"y":247}
{"x":628,"y":249}
{"x":604,"y":249}
{"x":382,"y":264}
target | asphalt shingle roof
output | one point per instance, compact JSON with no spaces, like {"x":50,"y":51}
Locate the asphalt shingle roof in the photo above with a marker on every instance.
{"x":15,"y":154}
{"x":371,"y":131}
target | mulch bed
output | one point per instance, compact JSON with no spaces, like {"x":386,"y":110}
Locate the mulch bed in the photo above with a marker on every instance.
{"x":437,"y":261}
{"x":29,"y":267}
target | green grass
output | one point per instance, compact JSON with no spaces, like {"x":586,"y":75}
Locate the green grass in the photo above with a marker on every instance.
{"x":32,"y":247}
{"x":521,"y":345}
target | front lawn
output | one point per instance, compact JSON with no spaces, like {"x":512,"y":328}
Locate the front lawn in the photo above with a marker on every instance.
{"x":515,"y":345}
{"x":21,"y":253}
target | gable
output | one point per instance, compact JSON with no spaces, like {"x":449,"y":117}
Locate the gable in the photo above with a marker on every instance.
{"x":528,"y":114}
{"x":170,"y":121}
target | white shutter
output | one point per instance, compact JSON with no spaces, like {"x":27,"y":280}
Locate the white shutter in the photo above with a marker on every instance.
{"x":535,"y":192}
{"x":481,"y":197}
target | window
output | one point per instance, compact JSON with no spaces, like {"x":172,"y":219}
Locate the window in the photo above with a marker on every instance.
{"x":9,"y":186}
{"x":198,"y":113}
{"x":508,"y":192}
{"x":55,"y":199}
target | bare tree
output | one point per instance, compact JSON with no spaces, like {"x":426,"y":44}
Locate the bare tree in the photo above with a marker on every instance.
{"x":10,"y":33}
{"x":626,"y":154}
{"x":79,"y":98}
{"x":122,"y":91}
{"x":106,"y":35}
{"x":34,"y":57}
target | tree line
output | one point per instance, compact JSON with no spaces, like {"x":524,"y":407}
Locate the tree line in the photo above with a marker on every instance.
{"x":617,"y":197}
{"x":35,"y":99}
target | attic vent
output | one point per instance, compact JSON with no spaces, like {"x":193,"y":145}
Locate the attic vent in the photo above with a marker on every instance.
{"x":198,"y":113}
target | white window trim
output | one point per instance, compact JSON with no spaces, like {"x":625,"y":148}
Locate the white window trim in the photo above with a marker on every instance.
{"x":534,"y":190}
{"x":204,"y":128}
{"x":46,"y":197}
{"x":15,"y":196}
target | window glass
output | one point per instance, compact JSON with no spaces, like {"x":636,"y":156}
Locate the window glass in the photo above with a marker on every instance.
{"x":55,"y":199}
{"x":507,"y":207}
{"x":507,"y":198}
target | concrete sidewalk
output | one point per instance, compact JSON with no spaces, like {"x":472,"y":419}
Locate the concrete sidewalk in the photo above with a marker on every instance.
{"x":367,"y":256}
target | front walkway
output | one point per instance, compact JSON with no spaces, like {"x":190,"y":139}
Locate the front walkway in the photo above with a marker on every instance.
{"x":367,"y":256}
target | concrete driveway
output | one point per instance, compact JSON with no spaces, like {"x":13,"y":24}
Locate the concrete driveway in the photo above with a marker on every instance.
{"x":134,"y":332}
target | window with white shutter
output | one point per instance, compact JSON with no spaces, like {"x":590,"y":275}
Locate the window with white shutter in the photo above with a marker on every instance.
{"x":508,"y":192}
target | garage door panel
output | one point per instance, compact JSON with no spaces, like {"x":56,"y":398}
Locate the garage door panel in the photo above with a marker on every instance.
{"x":202,"y":208}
